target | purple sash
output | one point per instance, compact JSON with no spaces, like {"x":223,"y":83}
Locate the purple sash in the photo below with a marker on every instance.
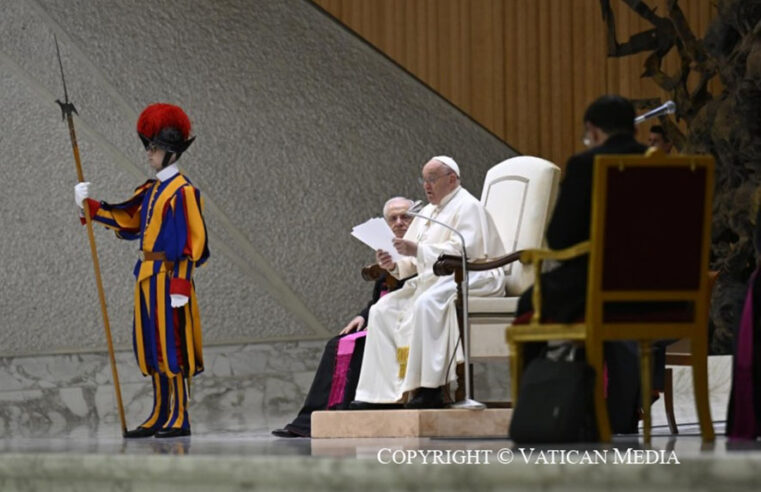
{"x":744,"y":415}
{"x":343,"y":358}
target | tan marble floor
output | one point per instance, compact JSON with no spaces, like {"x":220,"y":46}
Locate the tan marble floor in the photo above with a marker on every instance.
{"x":96,"y":458}
{"x":248,"y":461}
{"x":254,"y":444}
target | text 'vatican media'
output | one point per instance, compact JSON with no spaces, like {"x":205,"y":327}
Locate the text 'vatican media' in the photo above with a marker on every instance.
{"x":533,"y":456}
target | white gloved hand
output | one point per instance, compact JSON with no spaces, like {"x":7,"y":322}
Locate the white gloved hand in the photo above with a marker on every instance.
{"x":81,"y":191}
{"x":178,"y":300}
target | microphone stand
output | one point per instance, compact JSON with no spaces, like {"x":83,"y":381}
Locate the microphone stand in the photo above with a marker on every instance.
{"x":468,"y":403}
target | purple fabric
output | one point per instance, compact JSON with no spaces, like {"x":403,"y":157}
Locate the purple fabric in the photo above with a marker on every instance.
{"x":343,"y":359}
{"x":744,"y":415}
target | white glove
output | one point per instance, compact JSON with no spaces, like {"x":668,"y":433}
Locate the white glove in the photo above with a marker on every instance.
{"x":178,"y":300}
{"x":81,"y":191}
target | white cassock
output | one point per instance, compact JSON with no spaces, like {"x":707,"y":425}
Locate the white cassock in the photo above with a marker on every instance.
{"x":412,"y":333}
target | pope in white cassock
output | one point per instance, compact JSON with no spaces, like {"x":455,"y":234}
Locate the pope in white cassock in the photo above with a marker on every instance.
{"x":412,"y":333}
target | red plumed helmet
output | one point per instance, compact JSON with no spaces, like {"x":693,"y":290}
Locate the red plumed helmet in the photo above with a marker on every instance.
{"x":166,"y":126}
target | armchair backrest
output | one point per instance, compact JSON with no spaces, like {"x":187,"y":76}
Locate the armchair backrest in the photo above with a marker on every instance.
{"x":650,"y":233}
{"x":519,"y":193}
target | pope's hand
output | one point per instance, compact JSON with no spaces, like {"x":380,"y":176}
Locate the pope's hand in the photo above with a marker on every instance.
{"x":178,"y":300}
{"x":405,"y":247}
{"x":81,"y":191}
{"x":384,"y":260}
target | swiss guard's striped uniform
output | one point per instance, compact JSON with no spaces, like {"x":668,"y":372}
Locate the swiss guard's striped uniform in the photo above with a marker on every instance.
{"x":165,"y":215}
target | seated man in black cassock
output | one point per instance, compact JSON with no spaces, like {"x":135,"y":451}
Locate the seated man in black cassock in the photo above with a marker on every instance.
{"x":609,"y":129}
{"x":335,"y":381}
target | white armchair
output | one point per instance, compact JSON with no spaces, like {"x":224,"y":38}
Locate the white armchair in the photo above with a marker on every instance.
{"x":519,"y":193}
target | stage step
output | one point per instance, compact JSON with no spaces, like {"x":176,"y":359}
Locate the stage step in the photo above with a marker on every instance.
{"x":450,"y":422}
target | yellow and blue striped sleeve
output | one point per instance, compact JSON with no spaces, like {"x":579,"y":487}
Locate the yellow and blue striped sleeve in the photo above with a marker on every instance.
{"x":123,"y":218}
{"x":189,"y":246}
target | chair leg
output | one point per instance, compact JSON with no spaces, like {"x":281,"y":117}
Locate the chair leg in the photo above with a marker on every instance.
{"x":459,"y":394}
{"x":668,"y":400}
{"x":516,"y":362}
{"x":700,"y":385}
{"x":645,"y":359}
{"x":595,"y":359}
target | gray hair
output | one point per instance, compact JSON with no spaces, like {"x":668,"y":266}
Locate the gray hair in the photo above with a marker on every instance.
{"x":394,"y":199}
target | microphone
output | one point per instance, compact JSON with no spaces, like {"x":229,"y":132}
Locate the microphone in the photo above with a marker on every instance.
{"x":416,"y":206}
{"x":669,"y":107}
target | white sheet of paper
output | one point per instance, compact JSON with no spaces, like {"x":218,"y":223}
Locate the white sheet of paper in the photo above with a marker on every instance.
{"x":378,"y":235}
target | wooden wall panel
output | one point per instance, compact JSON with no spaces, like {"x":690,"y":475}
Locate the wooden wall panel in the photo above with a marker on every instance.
{"x":524,"y":69}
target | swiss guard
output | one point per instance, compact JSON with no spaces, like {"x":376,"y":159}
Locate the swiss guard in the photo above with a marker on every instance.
{"x":165,"y":215}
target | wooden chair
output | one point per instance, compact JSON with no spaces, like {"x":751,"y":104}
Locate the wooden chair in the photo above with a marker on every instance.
{"x":519,"y":194}
{"x":648,"y":254}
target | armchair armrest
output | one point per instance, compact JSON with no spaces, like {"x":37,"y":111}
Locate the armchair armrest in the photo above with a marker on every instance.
{"x":536,"y":257}
{"x":449,"y":264}
{"x":371,"y":273}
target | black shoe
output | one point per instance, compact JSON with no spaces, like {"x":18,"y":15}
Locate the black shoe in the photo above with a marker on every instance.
{"x":426,"y":398}
{"x":364,"y":405}
{"x":172,"y":432}
{"x":284,"y":433}
{"x":361,"y":405}
{"x":139,"y":432}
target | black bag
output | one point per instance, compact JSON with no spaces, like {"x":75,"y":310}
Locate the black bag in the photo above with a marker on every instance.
{"x":555,"y":401}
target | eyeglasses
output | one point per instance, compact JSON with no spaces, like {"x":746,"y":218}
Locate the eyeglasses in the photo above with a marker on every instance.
{"x":431,"y":180}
